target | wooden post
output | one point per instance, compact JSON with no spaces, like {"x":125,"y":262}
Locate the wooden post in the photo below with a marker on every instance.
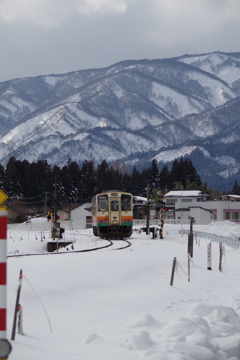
{"x":189,"y":267}
{"x":20,"y":322}
{"x":16,"y":307}
{"x":209,"y":256}
{"x":220,"y":257}
{"x":190,"y":238}
{"x":173,"y":270}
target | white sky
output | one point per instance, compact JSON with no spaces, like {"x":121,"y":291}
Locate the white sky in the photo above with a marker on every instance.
{"x":56,"y":36}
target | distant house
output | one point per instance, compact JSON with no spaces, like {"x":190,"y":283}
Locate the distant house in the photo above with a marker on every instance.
{"x":184,"y":196}
{"x":231,"y":197}
{"x":80,"y":212}
{"x":202,"y":216}
{"x":193,"y":203}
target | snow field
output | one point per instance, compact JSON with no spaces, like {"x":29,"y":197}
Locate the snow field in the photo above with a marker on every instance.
{"x":119,"y":304}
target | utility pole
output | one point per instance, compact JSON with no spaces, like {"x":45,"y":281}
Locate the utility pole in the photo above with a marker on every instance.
{"x":55,"y":224}
{"x":45,"y":202}
{"x":148,"y":208}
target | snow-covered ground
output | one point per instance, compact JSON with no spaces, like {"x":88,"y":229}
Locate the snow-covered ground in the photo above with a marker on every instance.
{"x":119,"y":305}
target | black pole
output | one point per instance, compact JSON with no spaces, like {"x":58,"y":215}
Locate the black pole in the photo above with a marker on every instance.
{"x":16,"y":307}
{"x":148,"y":208}
{"x":220,"y":258}
{"x":190,"y":238}
{"x":173,"y":270}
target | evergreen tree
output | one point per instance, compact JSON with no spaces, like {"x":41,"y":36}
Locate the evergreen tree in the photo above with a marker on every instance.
{"x":87,"y":185}
{"x":154,"y":175}
{"x":103,"y":179}
{"x":136,"y":188}
{"x":116,"y":179}
{"x":2,"y":178}
{"x":164,"y":178}
{"x":236,"y":188}
{"x":126,"y":182}
{"x":13,"y":177}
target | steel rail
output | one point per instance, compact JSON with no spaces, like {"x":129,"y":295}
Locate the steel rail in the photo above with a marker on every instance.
{"x":76,"y":251}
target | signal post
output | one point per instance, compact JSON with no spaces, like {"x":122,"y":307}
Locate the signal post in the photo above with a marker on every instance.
{"x":161,"y":216}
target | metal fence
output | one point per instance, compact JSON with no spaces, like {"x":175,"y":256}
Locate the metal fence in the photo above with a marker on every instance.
{"x":234,"y":243}
{"x":46,"y":226}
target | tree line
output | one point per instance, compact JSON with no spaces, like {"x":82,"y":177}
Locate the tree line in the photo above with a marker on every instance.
{"x":34,"y":183}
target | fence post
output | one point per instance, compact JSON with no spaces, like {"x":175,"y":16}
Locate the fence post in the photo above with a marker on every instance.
{"x":173,"y":270}
{"x":220,"y":257}
{"x":190,"y":238}
{"x":209,"y":256}
{"x":16,"y":307}
{"x":189,"y":267}
{"x":19,"y":323}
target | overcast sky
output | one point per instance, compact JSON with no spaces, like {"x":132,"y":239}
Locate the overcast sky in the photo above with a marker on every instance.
{"x":40,"y":37}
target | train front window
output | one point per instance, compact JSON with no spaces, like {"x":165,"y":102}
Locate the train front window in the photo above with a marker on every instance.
{"x":114,"y":205}
{"x":103,"y":203}
{"x":126,"y":202}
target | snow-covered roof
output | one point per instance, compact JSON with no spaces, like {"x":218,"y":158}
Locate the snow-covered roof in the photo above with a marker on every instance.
{"x":236,"y":197}
{"x":140,"y":198}
{"x":184,"y":193}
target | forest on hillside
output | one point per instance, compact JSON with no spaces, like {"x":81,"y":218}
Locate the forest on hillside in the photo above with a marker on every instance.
{"x":31,"y":186}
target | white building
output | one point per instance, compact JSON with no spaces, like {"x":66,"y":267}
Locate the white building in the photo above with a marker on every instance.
{"x":193,"y":203}
{"x":80,"y":212}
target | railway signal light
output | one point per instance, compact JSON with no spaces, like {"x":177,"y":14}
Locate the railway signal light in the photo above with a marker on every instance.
{"x":165,"y":209}
{"x":57,"y":217}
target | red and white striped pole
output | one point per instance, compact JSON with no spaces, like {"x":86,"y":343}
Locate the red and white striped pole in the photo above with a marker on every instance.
{"x":5,"y":346}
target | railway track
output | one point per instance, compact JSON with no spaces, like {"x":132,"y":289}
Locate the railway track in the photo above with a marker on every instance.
{"x":79,"y":251}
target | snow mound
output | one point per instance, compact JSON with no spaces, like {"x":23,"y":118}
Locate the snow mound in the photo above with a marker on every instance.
{"x":235,"y":303}
{"x":178,"y":329}
{"x":139,"y":341}
{"x":92,"y":339}
{"x":220,"y":316}
{"x":141,"y":320}
{"x":209,"y":332}
{"x":224,"y":228}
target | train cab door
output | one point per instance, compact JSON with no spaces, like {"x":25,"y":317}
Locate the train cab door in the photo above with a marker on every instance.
{"x":114,"y":206}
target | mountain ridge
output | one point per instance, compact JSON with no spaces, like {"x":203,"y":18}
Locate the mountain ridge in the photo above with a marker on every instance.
{"x":131,"y":107}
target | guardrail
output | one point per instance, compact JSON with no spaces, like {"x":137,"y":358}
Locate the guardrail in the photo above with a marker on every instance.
{"x":234,"y":243}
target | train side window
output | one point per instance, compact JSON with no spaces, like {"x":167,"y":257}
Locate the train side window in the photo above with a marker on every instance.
{"x":102,"y":203}
{"x":114,"y":205}
{"x":126,"y":202}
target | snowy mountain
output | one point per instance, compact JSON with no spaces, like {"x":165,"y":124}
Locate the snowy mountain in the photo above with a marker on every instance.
{"x":133,"y":111}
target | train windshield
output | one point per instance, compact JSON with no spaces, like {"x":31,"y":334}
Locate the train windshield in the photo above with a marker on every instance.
{"x":126,"y":202}
{"x":103,"y":203}
{"x":114,"y":205}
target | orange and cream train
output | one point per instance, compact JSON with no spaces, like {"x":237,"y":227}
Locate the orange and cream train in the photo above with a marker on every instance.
{"x":112,"y":214}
